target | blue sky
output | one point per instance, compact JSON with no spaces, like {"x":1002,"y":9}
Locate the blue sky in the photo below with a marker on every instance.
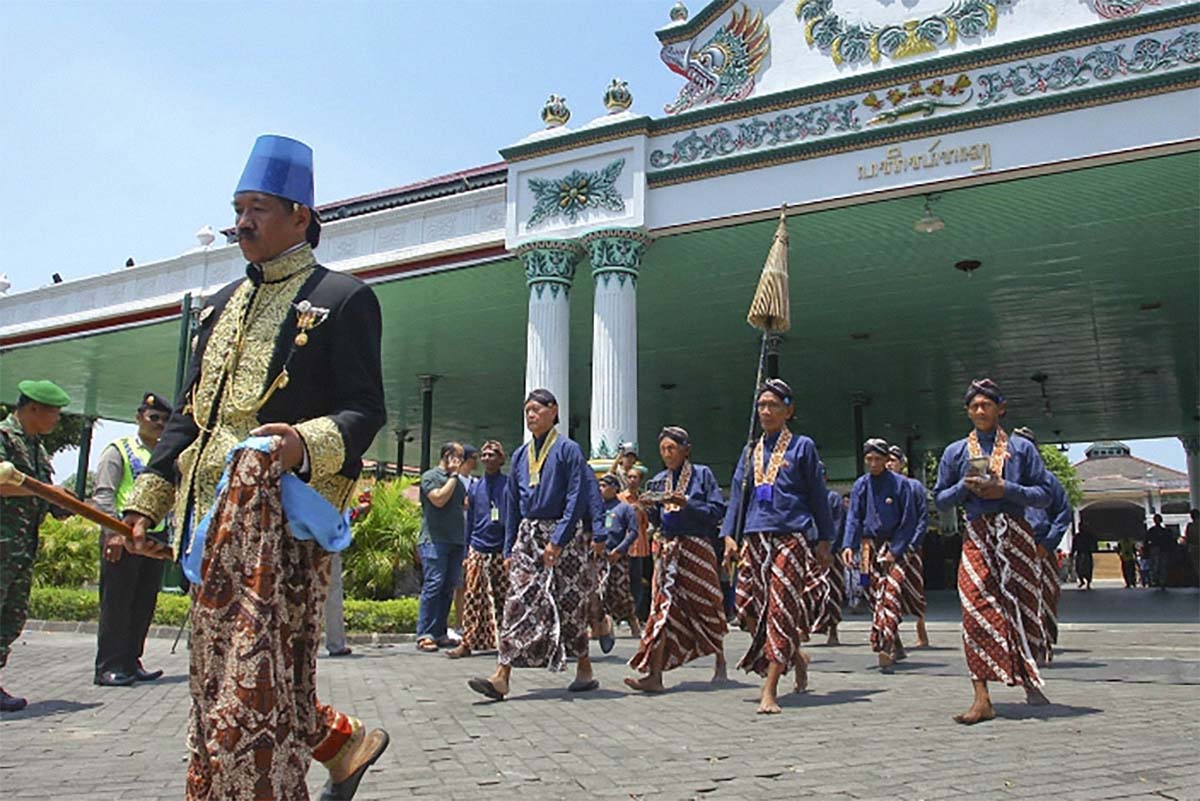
{"x":125,"y":125}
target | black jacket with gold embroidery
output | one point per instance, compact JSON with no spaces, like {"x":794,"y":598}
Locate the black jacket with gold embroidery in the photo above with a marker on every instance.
{"x":258,"y":359}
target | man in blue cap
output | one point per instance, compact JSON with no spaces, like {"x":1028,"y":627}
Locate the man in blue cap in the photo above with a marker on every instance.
{"x":292,"y":351}
{"x":38,"y":408}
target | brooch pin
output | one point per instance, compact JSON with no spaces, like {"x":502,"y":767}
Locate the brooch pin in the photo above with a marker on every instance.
{"x":308,"y":317}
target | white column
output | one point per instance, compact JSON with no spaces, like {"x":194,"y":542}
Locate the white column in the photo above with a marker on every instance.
{"x":616,"y":260}
{"x":549,"y":272}
{"x":1191,"y":446}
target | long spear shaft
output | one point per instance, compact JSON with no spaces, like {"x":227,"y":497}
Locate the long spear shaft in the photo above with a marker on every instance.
{"x":747,"y":468}
{"x":12,"y":476}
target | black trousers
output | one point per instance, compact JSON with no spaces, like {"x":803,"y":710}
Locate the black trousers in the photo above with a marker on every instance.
{"x":128,"y":594}
{"x":1129,"y":571}
{"x":641,"y":572}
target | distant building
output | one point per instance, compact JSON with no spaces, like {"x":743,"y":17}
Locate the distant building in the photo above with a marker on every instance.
{"x":1121,"y":493}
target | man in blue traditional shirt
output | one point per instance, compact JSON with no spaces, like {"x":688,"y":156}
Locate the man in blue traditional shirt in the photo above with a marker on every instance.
{"x":687,"y":616}
{"x":912,"y":591}
{"x":1049,"y":527}
{"x":487,"y":578}
{"x":545,"y":614}
{"x":619,"y":527}
{"x":783,"y":581}
{"x":996,"y":479}
{"x":881,"y":511}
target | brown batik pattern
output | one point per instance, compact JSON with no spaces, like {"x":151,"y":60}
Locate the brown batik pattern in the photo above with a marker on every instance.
{"x":545,"y":613}
{"x":687,"y":611}
{"x":835,"y":597}
{"x":484,"y":592}
{"x":1048,"y":570}
{"x":887,"y":590}
{"x":912,"y":588}
{"x":781,"y":592}
{"x":255,"y":719}
{"x":1000,"y":590}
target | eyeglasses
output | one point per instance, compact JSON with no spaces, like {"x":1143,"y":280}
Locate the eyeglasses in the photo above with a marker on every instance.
{"x":155,"y":417}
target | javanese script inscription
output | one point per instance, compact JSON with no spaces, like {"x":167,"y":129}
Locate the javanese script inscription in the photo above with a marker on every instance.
{"x":896,"y":162}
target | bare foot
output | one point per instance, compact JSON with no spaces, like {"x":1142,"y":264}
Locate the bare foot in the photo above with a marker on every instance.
{"x":646,"y":684}
{"x":499,"y":682}
{"x":899,"y":653}
{"x":978,"y":713}
{"x":802,"y":672}
{"x":720,"y":674}
{"x":768,"y":705}
{"x":886,"y":662}
{"x":922,"y":634}
{"x":833,"y":638}
{"x":1035,"y":697}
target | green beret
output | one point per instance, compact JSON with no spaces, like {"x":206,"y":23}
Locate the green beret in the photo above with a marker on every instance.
{"x":46,"y":392}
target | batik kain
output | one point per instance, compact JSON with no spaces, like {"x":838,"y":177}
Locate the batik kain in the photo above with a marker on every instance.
{"x":686,"y":615}
{"x":1000,"y":590}
{"x":545,"y":614}
{"x":912,"y":588}
{"x":484,"y":592}
{"x":887,"y":587}
{"x":255,"y":721}
{"x":615,"y":589}
{"x":835,"y":597}
{"x":1048,"y":570}
{"x":780,"y":592}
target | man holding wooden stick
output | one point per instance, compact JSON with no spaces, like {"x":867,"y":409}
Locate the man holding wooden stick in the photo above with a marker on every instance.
{"x":21,"y":512}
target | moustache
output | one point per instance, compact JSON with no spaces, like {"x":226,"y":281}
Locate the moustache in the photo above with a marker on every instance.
{"x":245,"y":234}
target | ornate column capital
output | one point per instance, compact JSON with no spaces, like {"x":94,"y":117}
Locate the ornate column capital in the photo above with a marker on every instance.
{"x":550,"y":263}
{"x":616,"y":252}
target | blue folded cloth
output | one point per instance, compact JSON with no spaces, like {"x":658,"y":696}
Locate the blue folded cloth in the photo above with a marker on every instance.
{"x":309,"y":516}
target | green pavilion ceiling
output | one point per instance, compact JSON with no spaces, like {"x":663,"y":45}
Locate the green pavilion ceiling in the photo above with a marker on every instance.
{"x":1091,"y":278}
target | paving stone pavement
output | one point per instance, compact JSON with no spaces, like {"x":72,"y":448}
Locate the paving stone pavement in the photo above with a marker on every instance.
{"x":1124,"y":723}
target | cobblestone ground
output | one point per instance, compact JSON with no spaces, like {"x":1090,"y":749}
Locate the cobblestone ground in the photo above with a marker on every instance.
{"x":1124,"y":722}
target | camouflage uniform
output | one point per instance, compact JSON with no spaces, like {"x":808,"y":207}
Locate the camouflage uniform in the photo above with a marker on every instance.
{"x":20,"y":518}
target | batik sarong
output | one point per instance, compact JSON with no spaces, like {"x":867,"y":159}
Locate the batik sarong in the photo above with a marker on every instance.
{"x":484,"y":593}
{"x":912,"y":589}
{"x":780,"y":592}
{"x":686,"y":615}
{"x":615,"y":590}
{"x":1050,"y":592}
{"x":835,"y":597}
{"x":887,"y":591}
{"x":255,"y":721}
{"x":1000,"y":590}
{"x":545,"y":613}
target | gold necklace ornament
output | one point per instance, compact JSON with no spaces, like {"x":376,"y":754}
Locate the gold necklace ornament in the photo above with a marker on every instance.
{"x":999,"y":451}
{"x":685,"y":480}
{"x":764,"y":480}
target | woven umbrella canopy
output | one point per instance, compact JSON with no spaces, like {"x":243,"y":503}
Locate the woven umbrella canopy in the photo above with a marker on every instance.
{"x":770,"y":311}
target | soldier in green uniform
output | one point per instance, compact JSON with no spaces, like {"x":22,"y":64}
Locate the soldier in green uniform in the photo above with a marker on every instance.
{"x":37,"y":413}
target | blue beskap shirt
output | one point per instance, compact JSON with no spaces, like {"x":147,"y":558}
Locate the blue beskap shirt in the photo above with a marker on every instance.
{"x":1050,"y":524}
{"x":881,"y":509}
{"x":838,"y":513}
{"x":701,"y":517}
{"x":920,"y":502}
{"x":800,"y":500}
{"x":620,"y":525}
{"x":1026,"y":480}
{"x":559,"y":495}
{"x":486,"y":503}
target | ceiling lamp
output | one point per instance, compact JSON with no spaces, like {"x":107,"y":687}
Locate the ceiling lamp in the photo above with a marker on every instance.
{"x":929,"y":222}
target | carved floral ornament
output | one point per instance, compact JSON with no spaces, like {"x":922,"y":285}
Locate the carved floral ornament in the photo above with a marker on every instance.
{"x":851,"y":42}
{"x":576,"y":192}
{"x":948,"y":94}
{"x":550,"y":263}
{"x":616,"y":252}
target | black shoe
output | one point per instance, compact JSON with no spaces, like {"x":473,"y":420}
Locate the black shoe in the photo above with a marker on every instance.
{"x":344,"y":652}
{"x":115,"y":678}
{"x":10,"y":703}
{"x":141,"y":674}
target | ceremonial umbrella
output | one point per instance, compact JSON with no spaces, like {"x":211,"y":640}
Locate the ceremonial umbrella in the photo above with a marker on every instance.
{"x":770,"y":313}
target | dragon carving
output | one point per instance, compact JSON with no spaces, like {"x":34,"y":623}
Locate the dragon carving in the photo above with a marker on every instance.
{"x":724,"y":67}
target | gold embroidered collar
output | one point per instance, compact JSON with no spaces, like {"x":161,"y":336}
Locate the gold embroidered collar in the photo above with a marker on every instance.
{"x":999,"y":450}
{"x":535,"y":460}
{"x":287,"y":264}
{"x":772,"y":470}
{"x":685,"y":478}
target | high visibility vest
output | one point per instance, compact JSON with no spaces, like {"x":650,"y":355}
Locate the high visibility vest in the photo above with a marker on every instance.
{"x":134,"y":456}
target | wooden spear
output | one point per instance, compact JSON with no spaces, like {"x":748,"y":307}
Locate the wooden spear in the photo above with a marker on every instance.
{"x":10,"y":475}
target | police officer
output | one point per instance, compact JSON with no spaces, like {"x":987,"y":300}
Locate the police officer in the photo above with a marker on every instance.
{"x":38,"y":409}
{"x":129,"y":583}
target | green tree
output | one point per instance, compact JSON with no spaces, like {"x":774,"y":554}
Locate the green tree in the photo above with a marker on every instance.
{"x":65,"y":435}
{"x":1058,"y":464}
{"x":383,"y":545}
